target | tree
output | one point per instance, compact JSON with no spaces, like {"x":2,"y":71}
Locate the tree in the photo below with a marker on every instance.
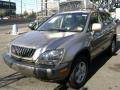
{"x":32,"y":15}
{"x":2,"y":12}
{"x":25,"y":13}
{"x":94,"y":1}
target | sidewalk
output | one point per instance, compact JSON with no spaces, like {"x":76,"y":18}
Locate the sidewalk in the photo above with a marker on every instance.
{"x":20,"y":31}
{"x":118,"y":30}
{"x":23,"y":30}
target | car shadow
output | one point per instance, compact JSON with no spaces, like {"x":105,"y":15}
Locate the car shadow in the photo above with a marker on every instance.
{"x":118,"y":45}
{"x":9,"y":79}
{"x":116,"y":67}
{"x":96,"y":64}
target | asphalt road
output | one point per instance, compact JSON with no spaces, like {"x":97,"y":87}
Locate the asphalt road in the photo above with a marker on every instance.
{"x":7,"y":28}
{"x":104,"y":74}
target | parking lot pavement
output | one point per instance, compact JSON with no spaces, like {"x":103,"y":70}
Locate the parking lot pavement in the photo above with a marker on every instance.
{"x":6,"y":29}
{"x":104,"y":75}
{"x":118,"y":30}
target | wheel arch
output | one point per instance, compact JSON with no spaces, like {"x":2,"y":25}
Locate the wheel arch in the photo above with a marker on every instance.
{"x":84,"y":52}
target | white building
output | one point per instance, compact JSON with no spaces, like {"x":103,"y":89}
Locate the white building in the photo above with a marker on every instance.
{"x":52,"y":6}
{"x":85,"y":3}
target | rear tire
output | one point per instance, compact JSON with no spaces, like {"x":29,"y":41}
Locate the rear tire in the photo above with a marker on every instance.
{"x":79,"y":74}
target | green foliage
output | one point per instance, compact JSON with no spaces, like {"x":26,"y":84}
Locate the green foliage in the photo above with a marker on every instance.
{"x":25,"y":13}
{"x":94,"y":1}
{"x":2,"y":12}
{"x":32,"y":15}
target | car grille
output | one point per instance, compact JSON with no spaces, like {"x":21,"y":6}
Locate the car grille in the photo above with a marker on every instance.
{"x":22,"y":51}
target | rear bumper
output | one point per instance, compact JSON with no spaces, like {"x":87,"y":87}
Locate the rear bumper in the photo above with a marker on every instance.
{"x":43,"y":72}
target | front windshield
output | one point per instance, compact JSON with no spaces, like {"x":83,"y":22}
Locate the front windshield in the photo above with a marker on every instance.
{"x":65,"y":22}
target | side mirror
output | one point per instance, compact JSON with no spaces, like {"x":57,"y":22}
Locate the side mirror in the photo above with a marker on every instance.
{"x":96,"y":27}
{"x":117,"y":21}
{"x":31,"y":26}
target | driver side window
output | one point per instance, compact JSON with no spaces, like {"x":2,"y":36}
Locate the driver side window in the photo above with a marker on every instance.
{"x":95,"y":18}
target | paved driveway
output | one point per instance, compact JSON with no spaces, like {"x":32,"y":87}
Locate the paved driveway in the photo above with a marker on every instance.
{"x":105,"y":73}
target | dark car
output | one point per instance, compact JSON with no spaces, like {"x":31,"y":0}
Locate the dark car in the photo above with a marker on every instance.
{"x":34,"y":25}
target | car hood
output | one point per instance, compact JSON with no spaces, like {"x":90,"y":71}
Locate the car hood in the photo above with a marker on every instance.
{"x":38,"y":39}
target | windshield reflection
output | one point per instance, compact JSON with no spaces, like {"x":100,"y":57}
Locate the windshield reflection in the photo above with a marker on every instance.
{"x":65,"y":22}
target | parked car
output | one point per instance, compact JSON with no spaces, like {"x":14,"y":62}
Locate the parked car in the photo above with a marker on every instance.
{"x":63,"y":47}
{"x":34,"y":25}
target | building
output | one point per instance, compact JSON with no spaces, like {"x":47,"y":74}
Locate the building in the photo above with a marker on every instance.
{"x":52,"y":7}
{"x":7,"y":8}
{"x":71,"y":5}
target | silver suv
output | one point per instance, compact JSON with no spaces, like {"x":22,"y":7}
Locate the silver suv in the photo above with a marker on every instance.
{"x":62,"y":48}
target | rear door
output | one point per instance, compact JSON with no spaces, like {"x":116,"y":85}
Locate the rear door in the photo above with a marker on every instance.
{"x":107,"y":28}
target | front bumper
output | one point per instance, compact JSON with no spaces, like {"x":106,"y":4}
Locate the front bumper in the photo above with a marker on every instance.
{"x":43,"y":72}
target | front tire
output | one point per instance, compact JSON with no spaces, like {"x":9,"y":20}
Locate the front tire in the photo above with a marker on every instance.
{"x":79,"y":74}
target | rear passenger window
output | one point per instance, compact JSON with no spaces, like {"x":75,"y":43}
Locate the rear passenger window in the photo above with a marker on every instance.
{"x":105,"y":17}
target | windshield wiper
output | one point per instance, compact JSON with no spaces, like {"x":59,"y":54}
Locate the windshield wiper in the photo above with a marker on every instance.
{"x":57,"y":29}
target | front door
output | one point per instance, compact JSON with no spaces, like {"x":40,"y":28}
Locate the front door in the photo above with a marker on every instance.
{"x":96,"y":37}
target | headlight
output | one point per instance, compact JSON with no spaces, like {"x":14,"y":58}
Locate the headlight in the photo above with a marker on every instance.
{"x":51,"y":57}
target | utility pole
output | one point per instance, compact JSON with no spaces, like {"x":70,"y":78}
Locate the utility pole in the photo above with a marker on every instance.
{"x":42,"y":7}
{"x":36,"y":8}
{"x":85,"y":4}
{"x":58,"y":5}
{"x":9,"y":9}
{"x":21,"y":7}
{"x":46,"y":11}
